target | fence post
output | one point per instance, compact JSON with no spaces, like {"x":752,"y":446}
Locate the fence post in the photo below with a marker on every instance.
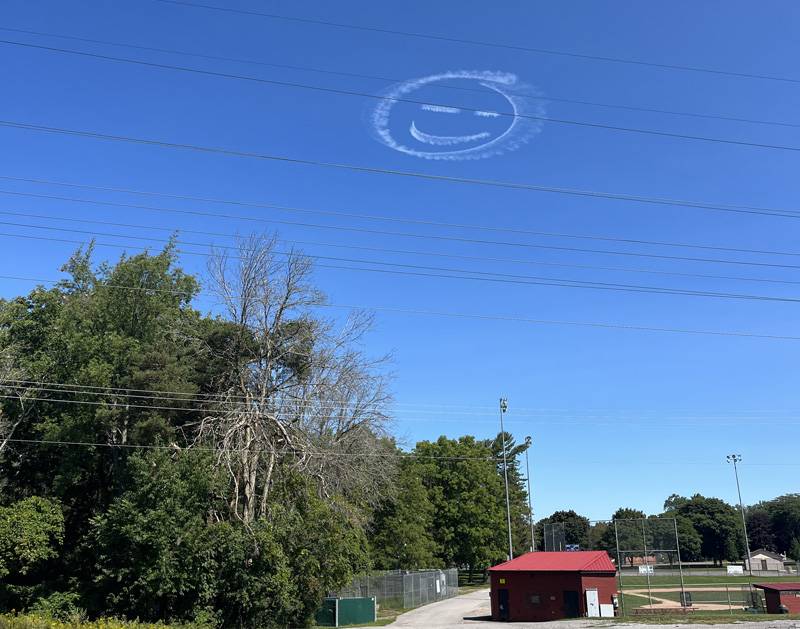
{"x":730,"y":605}
{"x":619,"y":570}
{"x":647,"y":563}
{"x":680,"y":565}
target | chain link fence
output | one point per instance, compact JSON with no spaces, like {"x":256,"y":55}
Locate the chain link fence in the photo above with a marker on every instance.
{"x":404,"y":589}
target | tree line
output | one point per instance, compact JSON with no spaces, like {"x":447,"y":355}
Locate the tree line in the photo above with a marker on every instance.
{"x":702,"y":528}
{"x":230,"y":468}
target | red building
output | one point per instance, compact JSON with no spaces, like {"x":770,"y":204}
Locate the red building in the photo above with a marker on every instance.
{"x":547,"y":586}
{"x":781,"y":595}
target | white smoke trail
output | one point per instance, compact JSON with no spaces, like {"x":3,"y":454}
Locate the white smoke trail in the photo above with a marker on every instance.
{"x":445,"y":140}
{"x":519,"y":131}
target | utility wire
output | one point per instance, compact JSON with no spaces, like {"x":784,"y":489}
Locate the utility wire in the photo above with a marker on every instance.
{"x":406,"y":251}
{"x":484,"y":317}
{"x":438,"y":272}
{"x":151,"y":208}
{"x":312,"y":453}
{"x":495,"y":183}
{"x":372,"y":77}
{"x":299,"y":403}
{"x":345,"y":92}
{"x":475,"y":42}
{"x":326,"y":453}
{"x":126,"y":406}
{"x":314,"y":410}
{"x":391,"y":219}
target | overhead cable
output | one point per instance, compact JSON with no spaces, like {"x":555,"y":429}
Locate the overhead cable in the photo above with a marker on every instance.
{"x":345,"y":92}
{"x":485,"y":44}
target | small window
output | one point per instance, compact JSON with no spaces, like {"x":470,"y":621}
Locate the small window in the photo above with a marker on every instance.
{"x":535,"y":599}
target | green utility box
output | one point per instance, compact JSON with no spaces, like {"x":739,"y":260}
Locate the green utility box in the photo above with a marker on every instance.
{"x":338,"y":612}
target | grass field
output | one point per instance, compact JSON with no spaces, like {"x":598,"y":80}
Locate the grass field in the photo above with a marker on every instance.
{"x":703,"y":618}
{"x":721,"y":598}
{"x":664,"y":581}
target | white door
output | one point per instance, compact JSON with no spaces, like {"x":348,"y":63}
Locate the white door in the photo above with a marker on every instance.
{"x":592,"y":604}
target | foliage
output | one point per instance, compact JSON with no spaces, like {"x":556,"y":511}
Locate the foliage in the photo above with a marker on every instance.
{"x":163,"y":552}
{"x":759,"y":529}
{"x":717,"y":523}
{"x":575,"y":528}
{"x":31,"y":532}
{"x":794,"y":550}
{"x":517,"y":490}
{"x":401,"y":534}
{"x":469,"y":523}
{"x":689,"y":539}
{"x":784,"y":513}
{"x":60,"y":606}
{"x":157,"y":533}
{"x":43,"y":621}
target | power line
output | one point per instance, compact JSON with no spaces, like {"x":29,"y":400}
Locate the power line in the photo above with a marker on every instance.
{"x":495,"y":183}
{"x":406,"y":251}
{"x":313,"y":453}
{"x":299,"y":403}
{"x":474,"y":42}
{"x":435,"y":272}
{"x":320,"y":453}
{"x":286,"y":416}
{"x":344,"y":92}
{"x":520,"y":231}
{"x":391,"y":219}
{"x":483,"y":317}
{"x":372,"y":77}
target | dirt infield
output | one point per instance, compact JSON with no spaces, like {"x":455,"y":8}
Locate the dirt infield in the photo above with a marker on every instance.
{"x":661,"y":603}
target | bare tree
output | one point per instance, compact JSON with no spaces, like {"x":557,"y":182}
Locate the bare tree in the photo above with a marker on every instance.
{"x":299,"y":393}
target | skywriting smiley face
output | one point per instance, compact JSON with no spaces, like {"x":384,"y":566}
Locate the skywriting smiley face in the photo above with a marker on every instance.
{"x":436,"y":131}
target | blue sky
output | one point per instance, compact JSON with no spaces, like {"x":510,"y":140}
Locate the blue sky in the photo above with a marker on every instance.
{"x":618,"y":417}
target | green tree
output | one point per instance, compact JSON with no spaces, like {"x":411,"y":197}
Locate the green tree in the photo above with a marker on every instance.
{"x":469,"y":523}
{"x":598,"y":534}
{"x":517,"y":488}
{"x":784,"y":512}
{"x":674,"y":502}
{"x":717,"y":523}
{"x":401,"y":532}
{"x":690,"y":541}
{"x":31,"y":532}
{"x":575,"y":528}
{"x":759,"y":529}
{"x":625,"y":529}
{"x":794,"y":551}
{"x":164,"y":552}
{"x":159,"y":535}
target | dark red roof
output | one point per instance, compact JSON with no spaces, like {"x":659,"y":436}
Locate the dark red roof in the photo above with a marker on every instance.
{"x":779,"y":587}
{"x":578,"y":561}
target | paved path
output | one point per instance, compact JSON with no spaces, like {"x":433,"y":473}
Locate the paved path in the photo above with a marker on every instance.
{"x":449,"y":613}
{"x":473,"y":609}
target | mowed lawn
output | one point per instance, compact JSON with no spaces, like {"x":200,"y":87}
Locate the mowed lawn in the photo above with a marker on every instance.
{"x":637,"y":582}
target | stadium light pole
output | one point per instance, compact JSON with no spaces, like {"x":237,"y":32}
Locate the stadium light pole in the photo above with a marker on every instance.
{"x":503,"y":409}
{"x":528,"y":442}
{"x":736,"y":459}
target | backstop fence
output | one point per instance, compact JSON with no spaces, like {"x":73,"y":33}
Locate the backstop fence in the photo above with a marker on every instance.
{"x":404,"y":589}
{"x":652,"y":575}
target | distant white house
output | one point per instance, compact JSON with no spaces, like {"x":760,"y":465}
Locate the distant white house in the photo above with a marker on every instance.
{"x":764,"y":560}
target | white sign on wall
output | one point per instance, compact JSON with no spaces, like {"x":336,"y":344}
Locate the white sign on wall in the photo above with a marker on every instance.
{"x":735,"y":570}
{"x":646,"y":570}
